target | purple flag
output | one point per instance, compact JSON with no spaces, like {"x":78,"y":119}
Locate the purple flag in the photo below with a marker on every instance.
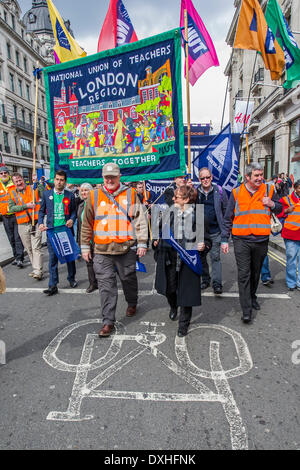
{"x":202,"y":53}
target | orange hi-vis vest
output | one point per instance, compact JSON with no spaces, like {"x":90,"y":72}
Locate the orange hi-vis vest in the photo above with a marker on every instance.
{"x":292,"y":222}
{"x":251,"y":216}
{"x":111,"y":224}
{"x":4,"y":197}
{"x":22,"y":199}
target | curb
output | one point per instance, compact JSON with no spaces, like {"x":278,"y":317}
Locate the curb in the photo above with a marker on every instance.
{"x":277,"y":247}
{"x":6,"y":262}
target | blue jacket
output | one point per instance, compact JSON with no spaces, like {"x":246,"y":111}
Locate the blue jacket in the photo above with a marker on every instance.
{"x":47,"y":208}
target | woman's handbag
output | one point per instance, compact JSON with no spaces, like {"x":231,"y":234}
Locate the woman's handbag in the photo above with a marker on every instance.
{"x":276,"y":225}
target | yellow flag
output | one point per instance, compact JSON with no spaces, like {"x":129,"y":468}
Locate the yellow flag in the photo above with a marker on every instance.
{"x":254,"y":33}
{"x":66,"y":48}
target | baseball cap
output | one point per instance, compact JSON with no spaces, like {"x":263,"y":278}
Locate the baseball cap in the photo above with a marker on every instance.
{"x":111,"y":169}
{"x":4,"y":168}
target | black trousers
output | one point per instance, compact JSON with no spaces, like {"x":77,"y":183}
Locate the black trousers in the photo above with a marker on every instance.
{"x":249,"y":259}
{"x":11,"y":229}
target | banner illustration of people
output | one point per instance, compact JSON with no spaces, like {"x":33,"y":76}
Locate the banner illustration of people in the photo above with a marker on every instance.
{"x":121,"y":105}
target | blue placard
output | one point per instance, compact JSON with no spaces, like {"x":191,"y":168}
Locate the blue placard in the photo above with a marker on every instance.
{"x":64,"y":244}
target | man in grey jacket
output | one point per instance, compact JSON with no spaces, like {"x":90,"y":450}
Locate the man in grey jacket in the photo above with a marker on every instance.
{"x":215,"y":202}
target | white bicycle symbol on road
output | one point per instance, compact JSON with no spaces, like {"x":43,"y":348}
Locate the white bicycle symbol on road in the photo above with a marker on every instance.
{"x":148,"y":342}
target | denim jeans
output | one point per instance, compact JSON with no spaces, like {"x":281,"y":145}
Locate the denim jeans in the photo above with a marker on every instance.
{"x":292,"y":259}
{"x":216,"y":266}
{"x":265,"y":270}
{"x":53,"y":267}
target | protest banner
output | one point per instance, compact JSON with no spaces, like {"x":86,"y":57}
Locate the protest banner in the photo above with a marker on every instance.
{"x":64,"y":244}
{"x":123,"y":106}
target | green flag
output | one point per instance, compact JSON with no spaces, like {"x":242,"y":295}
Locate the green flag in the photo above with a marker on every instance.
{"x":278,"y":24}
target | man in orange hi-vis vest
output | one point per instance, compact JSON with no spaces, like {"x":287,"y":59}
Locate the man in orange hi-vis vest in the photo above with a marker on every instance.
{"x":248,"y":216}
{"x":24,"y":203}
{"x":115,"y":220}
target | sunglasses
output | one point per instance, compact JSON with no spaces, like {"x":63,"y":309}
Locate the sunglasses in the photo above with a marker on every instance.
{"x":3,"y":172}
{"x":205,"y":178}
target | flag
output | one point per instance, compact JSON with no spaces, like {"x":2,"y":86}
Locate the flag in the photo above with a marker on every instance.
{"x":202,"y":53}
{"x":241,"y":123}
{"x":117,"y":28}
{"x":66,"y":48}
{"x":190,"y":257}
{"x":221,"y":157}
{"x":287,"y":42}
{"x":254,"y":33}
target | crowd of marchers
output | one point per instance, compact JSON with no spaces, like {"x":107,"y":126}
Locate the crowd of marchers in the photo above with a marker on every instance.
{"x":113,"y":227}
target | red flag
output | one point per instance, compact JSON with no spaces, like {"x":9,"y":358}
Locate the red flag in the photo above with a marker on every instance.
{"x":117,"y":28}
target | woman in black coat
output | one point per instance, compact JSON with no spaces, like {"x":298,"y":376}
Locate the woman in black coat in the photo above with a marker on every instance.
{"x":84,"y":192}
{"x":174,"y":279}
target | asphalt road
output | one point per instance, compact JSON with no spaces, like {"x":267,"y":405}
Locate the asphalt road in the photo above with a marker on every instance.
{"x":226,"y":386}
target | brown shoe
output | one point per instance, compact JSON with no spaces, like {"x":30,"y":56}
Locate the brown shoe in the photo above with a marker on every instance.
{"x":106,"y":330}
{"x":131,"y":311}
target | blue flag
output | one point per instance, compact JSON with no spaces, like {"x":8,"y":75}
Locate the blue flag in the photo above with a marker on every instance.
{"x":190,"y":257}
{"x":221,"y":157}
{"x":64,"y":244}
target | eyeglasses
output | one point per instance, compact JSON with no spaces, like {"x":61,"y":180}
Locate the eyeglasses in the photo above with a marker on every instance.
{"x":205,"y":178}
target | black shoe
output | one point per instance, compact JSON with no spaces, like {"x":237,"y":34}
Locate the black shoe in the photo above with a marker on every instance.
{"x":218,"y":290}
{"x":267,"y":283}
{"x":20,"y":264}
{"x":51,"y":291}
{"x":255,"y":304}
{"x":173,"y":314}
{"x":14,"y":263}
{"x":204,"y":285}
{"x":91,"y":289}
{"x":291,"y":288}
{"x":73,"y":284}
{"x":247,"y":317}
{"x":182,"y":332}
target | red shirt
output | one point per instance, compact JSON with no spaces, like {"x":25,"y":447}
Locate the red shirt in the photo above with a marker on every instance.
{"x":286,"y":233}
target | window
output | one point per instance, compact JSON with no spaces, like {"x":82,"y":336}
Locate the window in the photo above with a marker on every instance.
{"x":40,"y":123}
{"x":15,"y":112}
{"x":20,"y":88}
{"x":25,"y":145}
{"x":28,"y":92}
{"x":25,"y":64}
{"x":30,"y":119}
{"x":145,"y":95}
{"x":2,"y":109}
{"x":110,"y":116}
{"x":18,"y":58}
{"x":43,"y":103}
{"x":150,"y":94}
{"x":13,"y":22}
{"x":5,"y":16}
{"x":42,"y":152}
{"x":22,"y":33}
{"x":156,"y":94}
{"x":12,"y":84}
{"x":133,"y":113}
{"x":101,"y":117}
{"x":5,"y":139}
{"x":23,"y":115}
{"x":45,"y":128}
{"x":8,"y":48}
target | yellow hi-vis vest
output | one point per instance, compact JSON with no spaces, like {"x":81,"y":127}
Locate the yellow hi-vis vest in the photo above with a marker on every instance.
{"x":4,"y":197}
{"x":111,"y":224}
{"x":292,"y":222}
{"x":251,"y":216}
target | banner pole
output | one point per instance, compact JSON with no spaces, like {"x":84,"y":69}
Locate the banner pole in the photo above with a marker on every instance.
{"x":188,"y":90}
{"x":35,"y":133}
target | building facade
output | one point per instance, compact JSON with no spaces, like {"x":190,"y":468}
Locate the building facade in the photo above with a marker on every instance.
{"x":25,"y":43}
{"x":274,"y":132}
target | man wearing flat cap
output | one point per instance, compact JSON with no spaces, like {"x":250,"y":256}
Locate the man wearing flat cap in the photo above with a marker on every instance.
{"x":114,"y":219}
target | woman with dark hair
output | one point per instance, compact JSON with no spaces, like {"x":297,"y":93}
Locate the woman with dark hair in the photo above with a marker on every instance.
{"x":174,"y":279}
{"x":291,"y":235}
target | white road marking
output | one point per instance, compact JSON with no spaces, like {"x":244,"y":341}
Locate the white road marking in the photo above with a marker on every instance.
{"x":142,"y":293}
{"x":147,"y":342}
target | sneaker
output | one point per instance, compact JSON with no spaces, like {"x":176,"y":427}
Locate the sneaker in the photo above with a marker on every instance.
{"x":267,"y":283}
{"x":20,"y":264}
{"x":73,"y":284}
{"x":14,"y":263}
{"x":38,"y":277}
{"x":218,"y":290}
{"x":31,"y":274}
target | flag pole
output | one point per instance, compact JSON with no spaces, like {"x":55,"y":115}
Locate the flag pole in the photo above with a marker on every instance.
{"x":35,"y":133}
{"x":245,"y":126}
{"x":188,"y":90}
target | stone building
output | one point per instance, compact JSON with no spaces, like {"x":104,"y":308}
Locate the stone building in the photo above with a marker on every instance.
{"x":25,"y":43}
{"x":274,"y":133}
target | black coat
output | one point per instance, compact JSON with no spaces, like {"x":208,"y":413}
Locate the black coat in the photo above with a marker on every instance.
{"x":172,"y":275}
